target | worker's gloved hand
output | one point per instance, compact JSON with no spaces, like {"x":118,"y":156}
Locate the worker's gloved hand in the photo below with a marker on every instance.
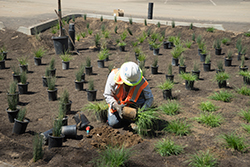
{"x":119,"y":108}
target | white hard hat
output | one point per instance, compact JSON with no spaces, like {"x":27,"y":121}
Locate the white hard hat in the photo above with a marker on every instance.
{"x":130,"y":73}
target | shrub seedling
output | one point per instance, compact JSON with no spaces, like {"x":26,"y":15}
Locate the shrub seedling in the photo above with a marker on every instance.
{"x":210,"y":29}
{"x":145,"y":22}
{"x":37,"y":147}
{"x":191,"y":26}
{"x":193,"y":37}
{"x":173,"y":24}
{"x":130,"y":21}
{"x":188,"y":44}
{"x":85,"y":16}
{"x":225,"y":41}
{"x":158,"y":24}
{"x":116,"y":29}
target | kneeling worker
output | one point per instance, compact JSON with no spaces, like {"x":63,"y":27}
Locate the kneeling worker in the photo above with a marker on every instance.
{"x":126,"y":86}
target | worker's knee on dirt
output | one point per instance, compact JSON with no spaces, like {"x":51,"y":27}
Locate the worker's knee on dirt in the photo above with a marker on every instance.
{"x":114,"y":120}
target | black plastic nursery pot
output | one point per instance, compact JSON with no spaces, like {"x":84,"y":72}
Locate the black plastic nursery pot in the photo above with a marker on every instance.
{"x":239,"y":57}
{"x":2,"y":64}
{"x":122,"y":48}
{"x":81,"y":120}
{"x":218,"y":51}
{"x":68,"y":107}
{"x":136,"y":56}
{"x":65,"y":65}
{"x":170,"y":77}
{"x":189,"y":85}
{"x":38,"y":61}
{"x":245,"y":68}
{"x":246,"y":80}
{"x":202,"y":57}
{"x":69,"y":131}
{"x":196,"y":73}
{"x":156,"y":51}
{"x":15,"y":95}
{"x":100,"y":63}
{"x":45,"y":83}
{"x":182,"y":69}
{"x":222,"y":84}
{"x":45,"y":136}
{"x":79,"y":85}
{"x":72,"y":35}
{"x":23,"y":88}
{"x":88,"y":70}
{"x":64,"y":120}
{"x":167,"y":94}
{"x":91,"y":94}
{"x":5,"y":55}
{"x":167,"y":45}
{"x":55,"y":141}
{"x":60,"y":44}
{"x":20,"y":126}
{"x":12,"y":114}
{"x":154,"y":70}
{"x":83,"y":77}
{"x":107,"y":58}
{"x":23,"y":68}
{"x":199,"y":52}
{"x":52,"y":72}
{"x":52,"y":94}
{"x":101,"y":116}
{"x":150,"y":47}
{"x":207,"y":67}
{"x":228,"y":62}
{"x":16,"y":78}
{"x":175,"y":61}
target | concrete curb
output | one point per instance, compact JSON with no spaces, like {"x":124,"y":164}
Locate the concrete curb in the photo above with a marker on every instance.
{"x":35,"y":29}
{"x":1,"y":25}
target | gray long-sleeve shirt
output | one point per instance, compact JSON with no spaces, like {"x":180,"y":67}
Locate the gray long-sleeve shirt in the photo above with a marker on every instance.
{"x":111,"y":86}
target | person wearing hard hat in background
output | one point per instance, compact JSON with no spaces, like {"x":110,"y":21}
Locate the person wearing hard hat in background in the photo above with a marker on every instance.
{"x":126,"y":86}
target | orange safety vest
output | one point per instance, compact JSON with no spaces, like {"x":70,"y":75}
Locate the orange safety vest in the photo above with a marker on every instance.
{"x":133,"y":93}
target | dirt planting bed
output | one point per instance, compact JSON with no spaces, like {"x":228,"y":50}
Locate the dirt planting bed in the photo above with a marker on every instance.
{"x":17,"y":149}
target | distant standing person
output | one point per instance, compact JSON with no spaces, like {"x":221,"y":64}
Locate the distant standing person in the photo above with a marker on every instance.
{"x":126,"y":86}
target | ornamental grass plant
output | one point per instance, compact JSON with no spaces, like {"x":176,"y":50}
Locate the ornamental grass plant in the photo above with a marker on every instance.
{"x":40,"y":52}
{"x":52,"y":63}
{"x":51,"y":81}
{"x":167,"y":85}
{"x":37,"y":147}
{"x":221,"y":76}
{"x":245,"y":114}
{"x":208,"y":106}
{"x":23,"y":60}
{"x":66,"y":57}
{"x":244,"y":90}
{"x":57,"y":126}
{"x":21,"y":114}
{"x":224,"y":96}
{"x":23,"y":77}
{"x":179,"y":127}
{"x":172,"y":107}
{"x":210,"y":119}
{"x":246,"y":127}
{"x":202,"y":159}
{"x":167,"y":147}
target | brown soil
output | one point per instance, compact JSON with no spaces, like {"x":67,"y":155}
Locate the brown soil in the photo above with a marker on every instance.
{"x":17,"y":149}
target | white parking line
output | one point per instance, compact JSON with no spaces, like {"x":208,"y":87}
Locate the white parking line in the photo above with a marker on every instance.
{"x":212,"y":2}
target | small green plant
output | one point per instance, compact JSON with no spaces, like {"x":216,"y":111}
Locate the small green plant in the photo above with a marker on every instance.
{"x":167,"y":85}
{"x":52,"y":64}
{"x":115,"y":19}
{"x":158,"y":24}
{"x":188,"y":44}
{"x":188,"y":77}
{"x":51,"y":81}
{"x":78,"y":75}
{"x":199,"y":39}
{"x":130,"y":21}
{"x":145,"y":22}
{"x":23,"y":77}
{"x":232,"y":140}
{"x":66,"y":57}
{"x":97,"y":38}
{"x":78,"y":36}
{"x":172,"y":107}
{"x":244,"y":90}
{"x":12,"y":103}
{"x":85,"y":16}
{"x":73,"y":18}
{"x":116,"y":29}
{"x":39,"y":53}
{"x":156,"y":45}
{"x":134,"y":44}
{"x":101,"y":19}
{"x":224,"y":96}
{"x":225,"y":41}
{"x":247,"y":34}
{"x":167,"y":147}
{"x":191,"y":26}
{"x":37,"y":147}
{"x":64,"y":98}
{"x":196,"y":66}
{"x":87,"y":25}
{"x":129,"y":31}
{"x":12,"y":87}
{"x":123,"y":35}
{"x":217,"y":44}
{"x":103,"y":28}
{"x":202,"y":159}
{"x":178,"y":127}
{"x":23,"y":60}
{"x":149,"y":32}
{"x":210,"y":119}
{"x":146,"y":120}
{"x":177,"y":51}
{"x":155,"y":62}
{"x":53,"y":30}
{"x":242,"y":62}
{"x":173,"y":24}
{"x":15,"y":70}
{"x":142,"y":57}
{"x":170,"y":69}
{"x":208,"y":59}
{"x":210,"y":29}
{"x":221,"y":76}
{"x":90,"y":31}
{"x":21,"y":114}
{"x":220,"y":65}
{"x":122,"y":44}
{"x":57,"y":125}
{"x":245,"y":114}
{"x":106,"y":34}
{"x":88,"y":62}
{"x":113,"y":157}
{"x":246,"y":127}
{"x":102,"y":55}
{"x":193,"y":37}
{"x":182,"y":61}
{"x":208,"y":106}
{"x":91,"y":85}
{"x":97,"y":107}
{"x":110,"y":67}
{"x":141,"y":39}
{"x":83,"y":34}
{"x":229,"y":54}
